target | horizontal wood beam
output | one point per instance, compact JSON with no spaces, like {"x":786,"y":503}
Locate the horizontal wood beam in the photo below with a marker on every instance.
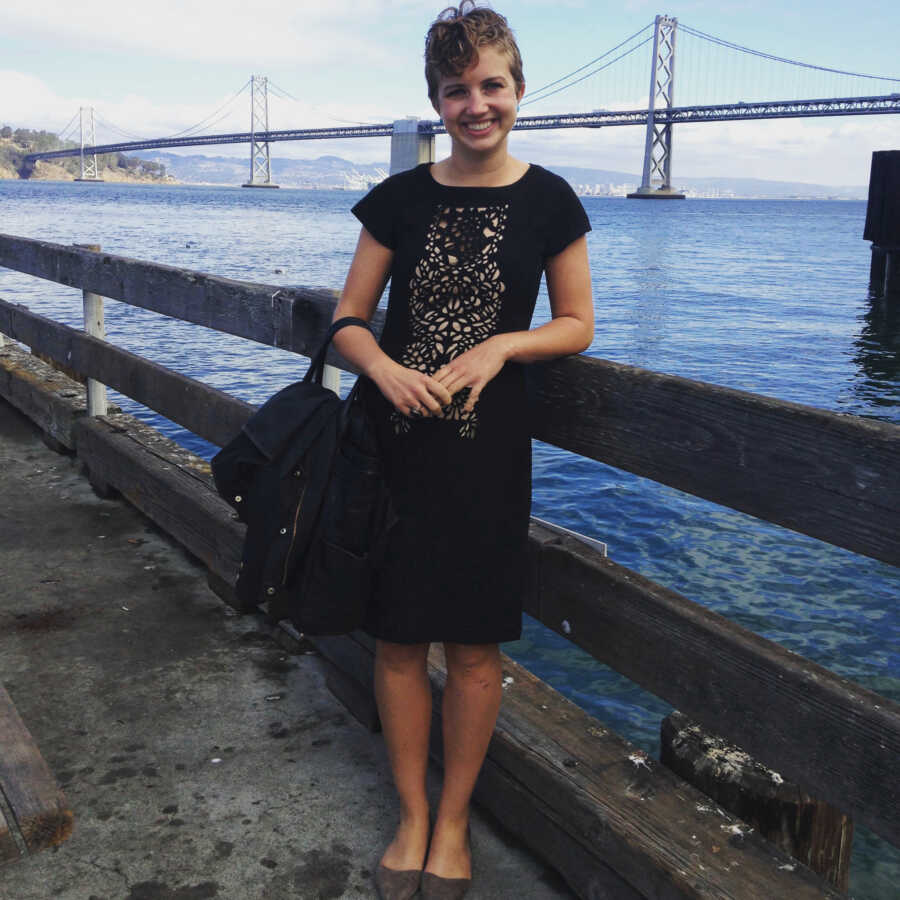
{"x":214,"y":415}
{"x":827,"y":475}
{"x":834,"y":477}
{"x":292,"y":318}
{"x":48,"y":397}
{"x":838,"y":740}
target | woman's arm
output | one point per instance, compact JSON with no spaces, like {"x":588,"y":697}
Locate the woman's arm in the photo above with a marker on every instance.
{"x":404,"y":388}
{"x":570,"y":330}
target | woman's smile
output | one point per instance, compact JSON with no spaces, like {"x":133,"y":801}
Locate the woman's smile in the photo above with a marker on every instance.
{"x":480,"y":127}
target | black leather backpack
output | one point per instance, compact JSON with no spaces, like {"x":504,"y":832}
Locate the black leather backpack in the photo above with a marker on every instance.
{"x":306,"y":477}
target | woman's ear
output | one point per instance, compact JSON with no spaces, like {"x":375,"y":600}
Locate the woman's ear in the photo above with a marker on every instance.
{"x":520,"y":92}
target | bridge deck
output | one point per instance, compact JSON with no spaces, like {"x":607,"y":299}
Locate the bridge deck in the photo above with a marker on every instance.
{"x":195,"y":752}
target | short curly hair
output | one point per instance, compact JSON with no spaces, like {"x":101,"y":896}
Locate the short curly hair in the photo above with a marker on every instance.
{"x":452,"y":43}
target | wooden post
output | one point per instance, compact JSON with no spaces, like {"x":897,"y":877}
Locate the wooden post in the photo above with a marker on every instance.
{"x":331,"y":378}
{"x":94,"y":326}
{"x":817,"y":834}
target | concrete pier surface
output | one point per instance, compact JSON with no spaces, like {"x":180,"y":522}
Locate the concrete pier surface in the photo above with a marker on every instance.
{"x":200,"y":758}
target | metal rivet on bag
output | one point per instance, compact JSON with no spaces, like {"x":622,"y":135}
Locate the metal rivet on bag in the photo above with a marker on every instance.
{"x":298,"y":473}
{"x":238,"y":498}
{"x":284,"y":531}
{"x":270,"y":591}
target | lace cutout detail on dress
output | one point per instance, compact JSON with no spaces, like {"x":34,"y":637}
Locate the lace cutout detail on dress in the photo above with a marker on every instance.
{"x":455,"y":296}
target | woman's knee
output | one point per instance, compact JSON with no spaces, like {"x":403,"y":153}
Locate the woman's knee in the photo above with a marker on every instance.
{"x":401,"y":658}
{"x":473,"y":662}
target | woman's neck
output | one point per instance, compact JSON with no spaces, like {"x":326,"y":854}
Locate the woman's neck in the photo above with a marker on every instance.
{"x":462,"y":170}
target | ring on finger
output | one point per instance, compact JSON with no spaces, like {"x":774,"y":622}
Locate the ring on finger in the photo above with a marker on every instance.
{"x":415,"y":411}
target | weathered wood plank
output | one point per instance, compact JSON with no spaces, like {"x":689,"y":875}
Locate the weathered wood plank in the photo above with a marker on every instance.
{"x":9,"y":850}
{"x":541,"y":829}
{"x":835,"y":738}
{"x":38,"y":805}
{"x":50,"y":399}
{"x":291,"y":318}
{"x":204,"y":410}
{"x":830,"y":476}
{"x":171,"y":486}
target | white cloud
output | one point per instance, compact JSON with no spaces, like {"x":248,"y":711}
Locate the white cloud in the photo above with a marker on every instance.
{"x":233,"y":31}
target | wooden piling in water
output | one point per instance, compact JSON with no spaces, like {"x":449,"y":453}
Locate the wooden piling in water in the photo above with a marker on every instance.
{"x":814,"y":832}
{"x":883,"y":222}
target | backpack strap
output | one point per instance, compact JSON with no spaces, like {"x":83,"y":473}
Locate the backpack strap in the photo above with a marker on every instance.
{"x":317,"y":364}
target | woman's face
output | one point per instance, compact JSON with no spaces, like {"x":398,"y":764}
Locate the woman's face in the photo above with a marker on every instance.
{"x":479,"y":106}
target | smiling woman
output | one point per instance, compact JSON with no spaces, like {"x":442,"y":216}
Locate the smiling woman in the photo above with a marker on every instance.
{"x":465,"y":243}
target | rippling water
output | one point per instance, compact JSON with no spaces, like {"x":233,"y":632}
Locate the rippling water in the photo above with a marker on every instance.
{"x":765,"y":296}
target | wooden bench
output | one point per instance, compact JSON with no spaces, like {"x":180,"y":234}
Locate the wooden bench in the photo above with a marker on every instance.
{"x":33,"y":810}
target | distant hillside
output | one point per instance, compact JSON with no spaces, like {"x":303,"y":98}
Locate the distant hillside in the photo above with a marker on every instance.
{"x":336,"y":172}
{"x":327,"y":172}
{"x":16,"y":144}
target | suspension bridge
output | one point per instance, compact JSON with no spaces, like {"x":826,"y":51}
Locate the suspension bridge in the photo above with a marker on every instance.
{"x":707,"y":64}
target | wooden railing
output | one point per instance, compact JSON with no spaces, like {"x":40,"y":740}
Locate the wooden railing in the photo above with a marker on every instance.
{"x":831,"y":476}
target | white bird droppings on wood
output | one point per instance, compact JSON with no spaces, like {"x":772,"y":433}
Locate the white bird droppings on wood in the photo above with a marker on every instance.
{"x":639,"y":759}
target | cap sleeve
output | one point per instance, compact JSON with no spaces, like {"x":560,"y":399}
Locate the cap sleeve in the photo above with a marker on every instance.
{"x":567,"y":220}
{"x":377,"y":212}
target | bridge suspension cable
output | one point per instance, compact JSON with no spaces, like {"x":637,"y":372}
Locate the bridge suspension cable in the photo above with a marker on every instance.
{"x":62,"y":133}
{"x":206,"y":123}
{"x":535,"y":96}
{"x":791,"y":62}
{"x":116,"y":129}
{"x":283,"y":94}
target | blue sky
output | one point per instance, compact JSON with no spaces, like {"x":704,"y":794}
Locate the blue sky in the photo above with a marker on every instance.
{"x":158,"y":68}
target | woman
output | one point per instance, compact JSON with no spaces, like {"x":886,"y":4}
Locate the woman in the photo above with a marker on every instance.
{"x":465,"y":242}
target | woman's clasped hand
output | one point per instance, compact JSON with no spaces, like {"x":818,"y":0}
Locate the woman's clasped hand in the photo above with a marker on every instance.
{"x":415,"y":393}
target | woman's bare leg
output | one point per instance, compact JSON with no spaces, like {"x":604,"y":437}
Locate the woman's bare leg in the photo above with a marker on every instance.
{"x":471,"y":703}
{"x":403,"y":694}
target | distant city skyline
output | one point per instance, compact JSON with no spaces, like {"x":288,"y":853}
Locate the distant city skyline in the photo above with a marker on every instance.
{"x":150,"y":72}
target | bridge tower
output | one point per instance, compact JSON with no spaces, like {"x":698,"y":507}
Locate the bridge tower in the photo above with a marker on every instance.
{"x":260,"y":165}
{"x":658,"y":146}
{"x":88,"y":139}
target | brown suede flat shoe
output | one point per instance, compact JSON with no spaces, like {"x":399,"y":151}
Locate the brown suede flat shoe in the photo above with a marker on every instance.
{"x":436,"y":888}
{"x":397,"y":884}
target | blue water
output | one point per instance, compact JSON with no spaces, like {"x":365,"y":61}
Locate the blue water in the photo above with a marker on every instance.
{"x":765,"y":296}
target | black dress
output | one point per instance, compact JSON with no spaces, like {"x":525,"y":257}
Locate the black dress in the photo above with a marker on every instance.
{"x":467,"y":264}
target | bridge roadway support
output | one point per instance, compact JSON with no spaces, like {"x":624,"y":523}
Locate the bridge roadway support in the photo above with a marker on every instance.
{"x":883,"y":223}
{"x":408,"y":146}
